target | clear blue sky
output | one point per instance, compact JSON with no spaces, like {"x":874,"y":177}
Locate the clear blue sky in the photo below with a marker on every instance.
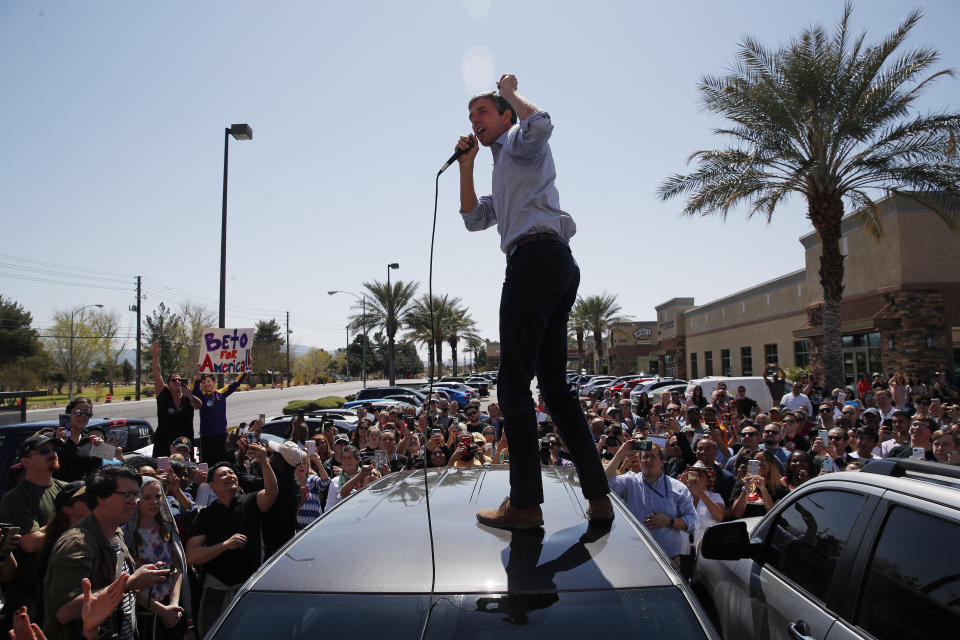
{"x":111,"y":151}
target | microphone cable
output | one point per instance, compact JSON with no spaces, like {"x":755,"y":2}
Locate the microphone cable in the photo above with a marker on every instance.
{"x":433,"y":335}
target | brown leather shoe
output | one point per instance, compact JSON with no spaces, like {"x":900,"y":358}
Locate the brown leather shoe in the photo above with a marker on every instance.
{"x":511,"y":517}
{"x":600,"y":510}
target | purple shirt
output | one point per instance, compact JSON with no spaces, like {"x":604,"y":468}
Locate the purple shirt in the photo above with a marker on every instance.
{"x":213,"y":407}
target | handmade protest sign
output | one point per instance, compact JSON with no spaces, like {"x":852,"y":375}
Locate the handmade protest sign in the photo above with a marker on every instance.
{"x":226,"y":350}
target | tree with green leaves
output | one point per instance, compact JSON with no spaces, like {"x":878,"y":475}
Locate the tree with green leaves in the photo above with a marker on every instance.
{"x":478,"y":349}
{"x":831,"y":119}
{"x":86,"y":345}
{"x":600,"y":313}
{"x":23,"y":363}
{"x":166,"y":328}
{"x":386,"y":309}
{"x":268,"y":355}
{"x":458,"y":325}
{"x":420,"y":329}
{"x":578,"y":324}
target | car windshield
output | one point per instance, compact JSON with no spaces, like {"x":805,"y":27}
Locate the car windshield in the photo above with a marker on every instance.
{"x":648,"y":613}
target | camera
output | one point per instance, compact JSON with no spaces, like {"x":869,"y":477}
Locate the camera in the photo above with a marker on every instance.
{"x":544,"y":450}
{"x":642,"y":445}
{"x":612,"y":441}
{"x":435,"y":432}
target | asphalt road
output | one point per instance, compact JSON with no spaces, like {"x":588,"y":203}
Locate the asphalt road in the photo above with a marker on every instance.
{"x":242,"y":406}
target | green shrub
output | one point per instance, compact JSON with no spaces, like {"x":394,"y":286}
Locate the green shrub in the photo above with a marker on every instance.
{"x":329,"y":402}
{"x":146,"y":390}
{"x":351,"y":397}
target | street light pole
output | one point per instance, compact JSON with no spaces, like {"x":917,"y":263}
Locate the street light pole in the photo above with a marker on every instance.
{"x":70,"y":372}
{"x":239,"y":132}
{"x":363,"y":300}
{"x":392,"y":265}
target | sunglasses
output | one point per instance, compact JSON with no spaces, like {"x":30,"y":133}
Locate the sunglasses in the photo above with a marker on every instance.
{"x":749,"y":434}
{"x":80,"y":413}
{"x":835,"y":437}
{"x":773,"y":431}
{"x":46,"y":451}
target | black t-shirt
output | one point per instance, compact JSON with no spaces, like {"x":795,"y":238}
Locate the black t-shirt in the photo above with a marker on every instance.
{"x":280,"y":520}
{"x":218,"y":522}
{"x":75,"y":461}
{"x":172,"y":421}
{"x":746,"y":405}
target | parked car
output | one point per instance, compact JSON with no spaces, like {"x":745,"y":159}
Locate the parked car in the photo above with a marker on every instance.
{"x":376,"y":406}
{"x":130,"y":434}
{"x":482,"y":385}
{"x":345,"y":420}
{"x":857,"y":554}
{"x":375,"y":393}
{"x":654,"y":387}
{"x":459,"y":397}
{"x":559,"y":580}
{"x":596,"y":381}
{"x":451,"y":379}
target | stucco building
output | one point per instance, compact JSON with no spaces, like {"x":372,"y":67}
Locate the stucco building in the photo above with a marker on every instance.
{"x":900,"y":310}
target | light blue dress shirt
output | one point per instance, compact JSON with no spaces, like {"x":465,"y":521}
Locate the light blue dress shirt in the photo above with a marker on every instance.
{"x":524,"y":198}
{"x":667,"y":496}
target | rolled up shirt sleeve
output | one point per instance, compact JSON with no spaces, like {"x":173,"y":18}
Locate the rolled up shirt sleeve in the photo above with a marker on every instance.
{"x":530,"y":138}
{"x":482,"y":217}
{"x":688,"y":513}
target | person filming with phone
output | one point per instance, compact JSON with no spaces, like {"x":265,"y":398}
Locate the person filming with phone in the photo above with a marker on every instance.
{"x":661,"y":503}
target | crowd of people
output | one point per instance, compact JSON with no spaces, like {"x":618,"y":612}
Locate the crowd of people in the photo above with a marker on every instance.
{"x":168,"y":538}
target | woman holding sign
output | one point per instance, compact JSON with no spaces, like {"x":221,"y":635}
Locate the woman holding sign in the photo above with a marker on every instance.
{"x":213,"y":416}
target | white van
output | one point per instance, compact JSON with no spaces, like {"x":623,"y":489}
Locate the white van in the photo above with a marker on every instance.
{"x":755,"y":386}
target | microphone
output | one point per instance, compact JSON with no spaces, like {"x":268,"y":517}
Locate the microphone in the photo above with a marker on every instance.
{"x":453,"y":158}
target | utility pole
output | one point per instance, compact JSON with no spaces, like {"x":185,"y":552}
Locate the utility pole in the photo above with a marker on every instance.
{"x":139,"y":374}
{"x":346,"y":354}
{"x":288,"y":348}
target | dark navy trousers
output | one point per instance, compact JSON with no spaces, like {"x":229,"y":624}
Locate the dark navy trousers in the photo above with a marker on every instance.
{"x":539,"y":290}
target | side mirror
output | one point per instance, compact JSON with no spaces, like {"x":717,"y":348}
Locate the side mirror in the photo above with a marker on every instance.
{"x":727,"y":541}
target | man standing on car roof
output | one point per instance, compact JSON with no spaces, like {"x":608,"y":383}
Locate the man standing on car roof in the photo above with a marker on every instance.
{"x":538,"y":292}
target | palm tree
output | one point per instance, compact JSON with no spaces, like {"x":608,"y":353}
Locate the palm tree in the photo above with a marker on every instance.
{"x":599,"y":314}
{"x":578,"y":323}
{"x":826,"y":117}
{"x":459,"y":325}
{"x":386,"y":309}
{"x":417,"y":320}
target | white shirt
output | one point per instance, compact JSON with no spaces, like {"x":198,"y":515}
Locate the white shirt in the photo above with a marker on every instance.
{"x":704,"y":520}
{"x":792,"y":402}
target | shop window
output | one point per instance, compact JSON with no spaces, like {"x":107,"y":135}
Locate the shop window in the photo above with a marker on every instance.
{"x":770,"y":355}
{"x":693,"y":366}
{"x":746,"y":361}
{"x":801,"y":353}
{"x":726,"y":365}
{"x":708,"y":363}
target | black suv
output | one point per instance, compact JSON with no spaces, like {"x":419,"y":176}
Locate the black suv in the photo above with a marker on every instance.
{"x":858,"y":554}
{"x":446,"y":576}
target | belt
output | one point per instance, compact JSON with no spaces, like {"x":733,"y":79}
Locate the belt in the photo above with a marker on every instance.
{"x":540,"y":236}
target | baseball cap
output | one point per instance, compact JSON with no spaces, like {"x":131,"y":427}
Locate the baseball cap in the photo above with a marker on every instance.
{"x":872,"y":411}
{"x":69,"y":493}
{"x":290,"y":451}
{"x":37,"y":441}
{"x":182,"y":441}
{"x":344,"y":438}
